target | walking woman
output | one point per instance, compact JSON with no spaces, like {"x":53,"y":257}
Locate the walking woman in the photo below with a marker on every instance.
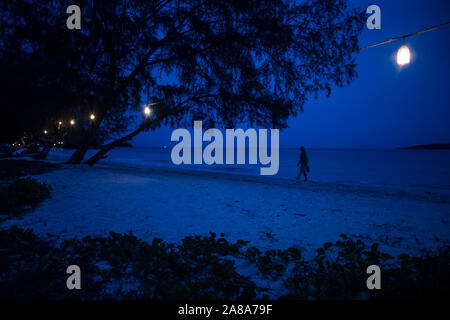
{"x":303,"y":163}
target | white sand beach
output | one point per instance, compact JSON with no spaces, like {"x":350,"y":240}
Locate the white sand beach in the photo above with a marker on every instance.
{"x":172,"y":203}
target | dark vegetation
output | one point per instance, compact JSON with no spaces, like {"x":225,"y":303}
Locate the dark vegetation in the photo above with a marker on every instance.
{"x":20,"y":167}
{"x":22,"y":194}
{"x":204,"y":267}
{"x":19,"y":194}
{"x":224,"y":62}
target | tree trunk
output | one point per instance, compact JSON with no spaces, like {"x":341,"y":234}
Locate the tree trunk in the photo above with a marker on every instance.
{"x":43,"y":154}
{"x":105,"y":149}
{"x":147,"y":124}
{"x":78,"y":156}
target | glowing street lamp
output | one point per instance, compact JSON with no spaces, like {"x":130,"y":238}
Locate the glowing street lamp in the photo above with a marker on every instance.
{"x":403,"y":55}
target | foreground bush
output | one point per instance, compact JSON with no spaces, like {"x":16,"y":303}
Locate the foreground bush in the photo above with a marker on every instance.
{"x":120,"y":266}
{"x":339,"y":271}
{"x":23,"y":193}
{"x":32,"y":268}
{"x":205,"y":267}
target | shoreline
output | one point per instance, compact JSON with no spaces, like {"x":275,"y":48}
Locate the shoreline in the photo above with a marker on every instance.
{"x":269,"y":212}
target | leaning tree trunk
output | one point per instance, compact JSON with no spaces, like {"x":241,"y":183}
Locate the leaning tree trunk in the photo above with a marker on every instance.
{"x":146,"y":125}
{"x":106,"y":148}
{"x":78,"y":156}
{"x":43,"y":154}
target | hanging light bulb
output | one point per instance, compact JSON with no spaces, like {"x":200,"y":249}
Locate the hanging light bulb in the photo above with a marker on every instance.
{"x":403,"y":55}
{"x":147,"y":111}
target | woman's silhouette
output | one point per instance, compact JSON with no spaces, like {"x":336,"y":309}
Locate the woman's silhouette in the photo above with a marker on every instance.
{"x":303,"y":163}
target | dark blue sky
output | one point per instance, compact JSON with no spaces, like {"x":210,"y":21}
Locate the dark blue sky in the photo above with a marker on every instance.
{"x":385,"y":106}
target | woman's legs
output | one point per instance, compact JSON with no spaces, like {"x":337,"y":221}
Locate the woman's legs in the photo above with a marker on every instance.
{"x":302,"y":171}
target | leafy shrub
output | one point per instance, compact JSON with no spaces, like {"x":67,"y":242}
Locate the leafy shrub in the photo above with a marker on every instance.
{"x":423,"y":277}
{"x":202,"y":267}
{"x":339,"y":272}
{"x":23,"y":192}
{"x":194,"y":270}
{"x":20,"y":167}
{"x":31,"y":268}
{"x":272,"y":264}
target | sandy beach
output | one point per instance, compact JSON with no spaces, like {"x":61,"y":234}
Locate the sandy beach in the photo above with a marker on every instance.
{"x":271,"y":213}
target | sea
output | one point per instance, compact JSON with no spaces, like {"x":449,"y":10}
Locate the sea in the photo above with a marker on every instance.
{"x":425,"y":169}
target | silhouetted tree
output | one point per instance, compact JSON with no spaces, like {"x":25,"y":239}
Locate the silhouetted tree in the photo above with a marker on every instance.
{"x":43,"y":78}
{"x":31,"y":92}
{"x":39,"y":83}
{"x":224,"y":62}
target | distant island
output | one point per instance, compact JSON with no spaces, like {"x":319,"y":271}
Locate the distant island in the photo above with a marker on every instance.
{"x":444,"y":146}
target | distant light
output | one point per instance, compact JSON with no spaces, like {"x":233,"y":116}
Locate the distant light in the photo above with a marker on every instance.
{"x":147,"y":111}
{"x":60,"y":123}
{"x":403,"y":55}
{"x":92,"y":116}
{"x":72,"y":122}
{"x":45,"y":131}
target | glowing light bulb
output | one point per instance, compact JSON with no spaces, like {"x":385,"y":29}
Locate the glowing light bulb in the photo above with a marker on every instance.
{"x":60,"y":123}
{"x":72,"y":122}
{"x":45,"y":131}
{"x":403,"y":55}
{"x":147,"y":111}
{"x":92,"y":116}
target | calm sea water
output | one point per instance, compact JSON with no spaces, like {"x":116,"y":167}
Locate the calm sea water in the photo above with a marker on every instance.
{"x":411,"y":168}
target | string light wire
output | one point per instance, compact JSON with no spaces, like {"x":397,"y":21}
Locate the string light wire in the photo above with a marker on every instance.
{"x":405,"y":36}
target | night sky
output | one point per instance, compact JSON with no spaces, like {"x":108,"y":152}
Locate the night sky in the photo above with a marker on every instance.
{"x":385,"y":107}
